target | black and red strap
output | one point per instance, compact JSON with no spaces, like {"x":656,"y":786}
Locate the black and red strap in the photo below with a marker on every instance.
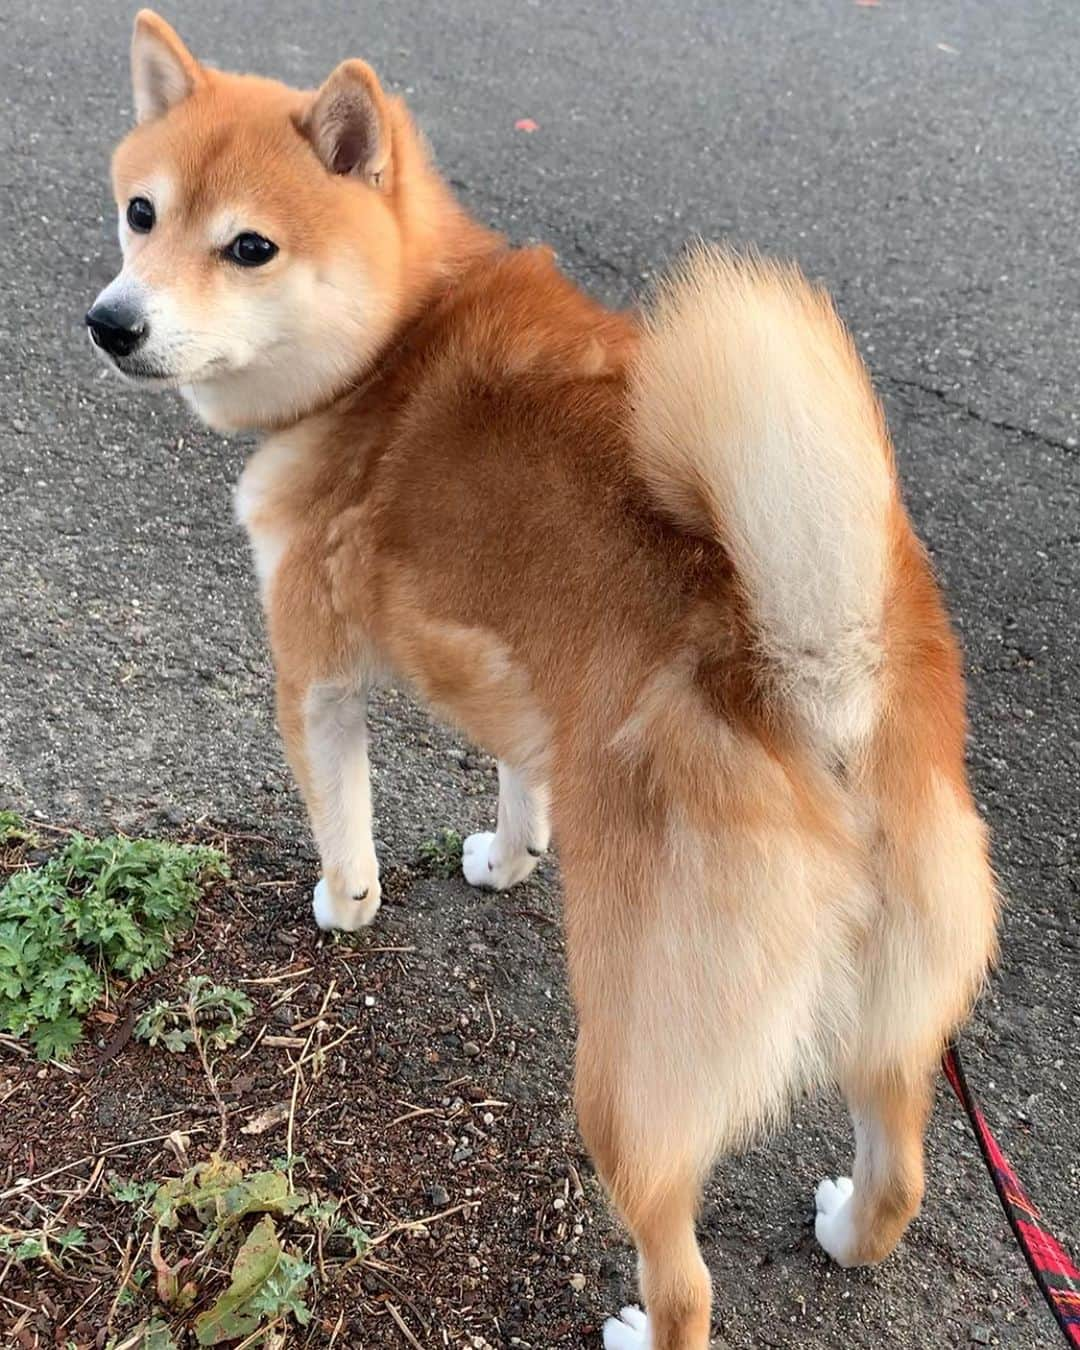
{"x":1058,"y":1279}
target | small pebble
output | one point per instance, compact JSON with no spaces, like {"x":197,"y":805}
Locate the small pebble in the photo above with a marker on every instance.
{"x":577,"y":1282}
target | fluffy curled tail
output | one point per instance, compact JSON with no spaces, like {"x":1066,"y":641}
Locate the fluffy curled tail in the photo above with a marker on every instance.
{"x":753,"y":420}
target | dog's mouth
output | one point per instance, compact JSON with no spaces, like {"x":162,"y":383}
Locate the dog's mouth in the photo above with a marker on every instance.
{"x":136,"y":368}
{"x":149,"y":374}
{"x":140,"y":372}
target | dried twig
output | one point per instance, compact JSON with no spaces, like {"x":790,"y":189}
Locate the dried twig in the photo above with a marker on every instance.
{"x":298,"y":1072}
{"x":72,"y":1315}
{"x":368,"y":951}
{"x":412,"y":1115}
{"x":280,"y":979}
{"x":257,"y":1041}
{"x":337,"y":1330}
{"x":402,"y":1327}
{"x":125,"y":1275}
{"x":28,"y":1182}
{"x":306,"y":1058}
{"x":405,"y":1224}
{"x":200,"y":1046}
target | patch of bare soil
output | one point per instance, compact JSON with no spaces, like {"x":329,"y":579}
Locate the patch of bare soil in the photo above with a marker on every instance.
{"x":430,"y":1066}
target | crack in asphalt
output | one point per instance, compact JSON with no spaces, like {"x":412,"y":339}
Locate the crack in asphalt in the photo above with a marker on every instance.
{"x":590,"y":260}
{"x":1029,"y":433}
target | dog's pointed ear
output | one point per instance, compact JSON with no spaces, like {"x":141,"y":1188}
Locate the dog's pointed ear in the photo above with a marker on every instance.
{"x":348,"y":123}
{"x":163,"y":71}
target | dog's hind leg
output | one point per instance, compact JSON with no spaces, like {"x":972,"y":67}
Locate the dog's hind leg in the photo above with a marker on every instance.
{"x":861,"y":1219}
{"x":644,"y":1088}
{"x":655,"y":1184}
{"x":674,"y":1281}
{"x":924,"y":961}
{"x":500,"y":860}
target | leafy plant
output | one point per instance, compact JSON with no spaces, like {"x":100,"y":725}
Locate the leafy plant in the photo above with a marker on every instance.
{"x":359,"y":1237}
{"x":268,"y":1280}
{"x":214,"y":1012}
{"x":288,"y":1164}
{"x":219,"y":1193}
{"x":441,"y":855}
{"x":14,"y":830}
{"x":157,"y":1336}
{"x":326,"y":1215}
{"x":131,"y":1291}
{"x":42,"y":1245}
{"x":267,"y":1285}
{"x":217,"y":1217}
{"x":128,"y":1191}
{"x":98,"y":909}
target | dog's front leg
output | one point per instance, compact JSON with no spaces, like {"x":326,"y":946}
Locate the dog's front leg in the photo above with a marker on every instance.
{"x":325,"y":731}
{"x":500,"y":860}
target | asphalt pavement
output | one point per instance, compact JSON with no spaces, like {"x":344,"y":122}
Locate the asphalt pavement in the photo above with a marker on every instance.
{"x":921,"y":159}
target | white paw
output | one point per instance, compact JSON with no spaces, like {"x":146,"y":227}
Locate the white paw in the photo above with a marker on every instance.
{"x":628,"y":1331}
{"x":348,"y":914}
{"x":833,"y":1227}
{"x":482,"y":865}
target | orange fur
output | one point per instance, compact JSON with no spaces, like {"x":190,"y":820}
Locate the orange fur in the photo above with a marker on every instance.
{"x":542,"y":515}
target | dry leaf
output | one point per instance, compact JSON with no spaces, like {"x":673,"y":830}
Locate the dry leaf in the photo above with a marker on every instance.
{"x":178,"y":1141}
{"x":266,"y":1120}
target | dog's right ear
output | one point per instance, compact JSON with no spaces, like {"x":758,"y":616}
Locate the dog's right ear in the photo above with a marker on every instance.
{"x":163,"y":71}
{"x":348,"y":124}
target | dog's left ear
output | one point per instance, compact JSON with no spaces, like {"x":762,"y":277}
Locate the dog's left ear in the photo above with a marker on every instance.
{"x":163,"y":71}
{"x":348,"y":123}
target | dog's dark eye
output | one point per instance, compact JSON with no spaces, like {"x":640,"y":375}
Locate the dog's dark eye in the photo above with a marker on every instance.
{"x":140,"y":215}
{"x":251,"y":250}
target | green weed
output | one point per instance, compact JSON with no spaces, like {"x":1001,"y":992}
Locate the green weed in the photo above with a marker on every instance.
{"x":40,"y":1244}
{"x":215,"y":1013}
{"x":99,"y":909}
{"x":268,"y":1285}
{"x":441,"y":855}
{"x":14,"y":830}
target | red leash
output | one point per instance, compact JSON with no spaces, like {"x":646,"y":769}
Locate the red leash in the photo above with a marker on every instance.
{"x":1058,"y":1279}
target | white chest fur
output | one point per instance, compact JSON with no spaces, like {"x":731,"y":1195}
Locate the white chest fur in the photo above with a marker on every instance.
{"x":265,"y":502}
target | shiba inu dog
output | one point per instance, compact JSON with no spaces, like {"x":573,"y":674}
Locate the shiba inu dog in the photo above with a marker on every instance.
{"x":658,"y":565}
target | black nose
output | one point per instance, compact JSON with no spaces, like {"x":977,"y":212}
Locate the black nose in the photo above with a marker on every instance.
{"x":116,"y":329}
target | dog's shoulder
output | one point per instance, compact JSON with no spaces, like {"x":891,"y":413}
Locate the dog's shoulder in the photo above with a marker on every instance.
{"x":516,"y":315}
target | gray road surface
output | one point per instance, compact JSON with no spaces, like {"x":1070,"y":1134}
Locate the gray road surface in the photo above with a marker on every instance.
{"x":921,"y":159}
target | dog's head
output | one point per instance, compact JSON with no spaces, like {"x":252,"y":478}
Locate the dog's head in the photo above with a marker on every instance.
{"x":260,"y":232}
